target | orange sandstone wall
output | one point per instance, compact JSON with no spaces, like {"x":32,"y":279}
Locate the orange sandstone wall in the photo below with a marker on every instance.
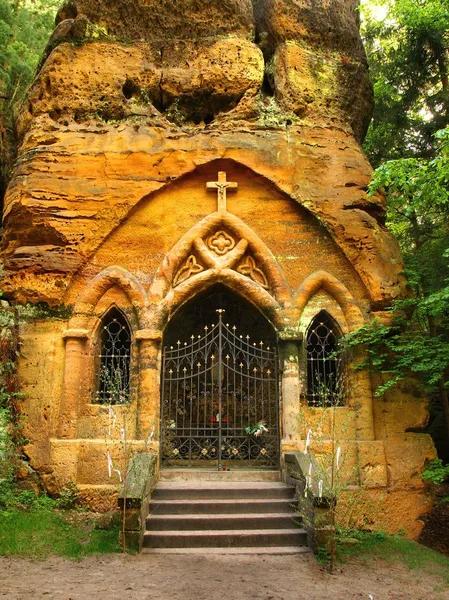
{"x":69,"y":193}
{"x":299,"y":243}
{"x":137,"y":105}
{"x":135,"y":96}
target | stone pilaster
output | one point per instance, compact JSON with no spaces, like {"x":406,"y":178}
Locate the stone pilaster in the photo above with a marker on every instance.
{"x":289,"y":347}
{"x":74,"y":381}
{"x":361,"y":399}
{"x":149,"y":404}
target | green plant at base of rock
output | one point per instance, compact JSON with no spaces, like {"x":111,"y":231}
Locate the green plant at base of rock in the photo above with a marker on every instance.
{"x":352,"y":542}
{"x":11,"y":420}
{"x":393,"y":549}
{"x":436,"y":472}
{"x":37,"y":526}
{"x":69,"y":496}
{"x":12,"y":498}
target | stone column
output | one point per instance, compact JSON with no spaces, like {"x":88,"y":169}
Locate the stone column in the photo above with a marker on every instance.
{"x":149,"y":401}
{"x":289,"y":347}
{"x":74,"y":381}
{"x":361,"y":399}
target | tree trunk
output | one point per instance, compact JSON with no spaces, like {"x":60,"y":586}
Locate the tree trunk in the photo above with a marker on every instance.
{"x":444,"y":402}
{"x":442,"y":389}
{"x":442,"y":67}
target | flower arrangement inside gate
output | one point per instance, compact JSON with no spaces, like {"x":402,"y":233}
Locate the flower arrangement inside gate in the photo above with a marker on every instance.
{"x":257,"y":430}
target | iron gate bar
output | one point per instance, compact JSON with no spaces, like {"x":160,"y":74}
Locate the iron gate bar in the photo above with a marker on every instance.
{"x":220,"y":387}
{"x":205,"y":382}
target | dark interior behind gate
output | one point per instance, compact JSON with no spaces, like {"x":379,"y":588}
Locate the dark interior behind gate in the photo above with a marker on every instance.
{"x":220,"y":396}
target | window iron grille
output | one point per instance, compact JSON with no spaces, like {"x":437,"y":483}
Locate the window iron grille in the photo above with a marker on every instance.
{"x":114,"y":359}
{"x":324,"y":363}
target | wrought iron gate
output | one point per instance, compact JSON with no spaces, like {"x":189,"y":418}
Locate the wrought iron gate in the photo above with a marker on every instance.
{"x":220,"y":401}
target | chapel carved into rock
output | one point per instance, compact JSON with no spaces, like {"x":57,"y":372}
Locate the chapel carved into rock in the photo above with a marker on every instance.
{"x":189,"y":204}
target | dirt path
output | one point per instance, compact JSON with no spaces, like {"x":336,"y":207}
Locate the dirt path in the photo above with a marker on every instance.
{"x":118,"y":577}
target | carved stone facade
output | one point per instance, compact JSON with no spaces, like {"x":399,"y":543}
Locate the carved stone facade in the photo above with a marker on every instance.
{"x":221,"y":251}
{"x":113,"y":204}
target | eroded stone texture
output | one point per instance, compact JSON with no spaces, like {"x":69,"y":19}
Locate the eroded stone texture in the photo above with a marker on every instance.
{"x":316,"y":59}
{"x":185,"y":80}
{"x":84,"y":179}
{"x":136,"y":107}
{"x":164,"y":19}
{"x":307,"y":81}
{"x":115,"y":81}
{"x":332,"y":24}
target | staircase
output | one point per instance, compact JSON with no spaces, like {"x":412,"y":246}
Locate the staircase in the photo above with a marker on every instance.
{"x":232,"y":517}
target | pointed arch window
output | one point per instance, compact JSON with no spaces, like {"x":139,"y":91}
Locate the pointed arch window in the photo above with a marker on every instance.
{"x":324,"y":364}
{"x":114,"y":358}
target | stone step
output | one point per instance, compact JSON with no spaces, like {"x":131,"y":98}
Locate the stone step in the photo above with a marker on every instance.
{"x":245,"y":475}
{"x":273,"y":550}
{"x":225,"y":538}
{"x":222,"y":521}
{"x":211,"y":490}
{"x":230,"y":506}
{"x":227,"y":516}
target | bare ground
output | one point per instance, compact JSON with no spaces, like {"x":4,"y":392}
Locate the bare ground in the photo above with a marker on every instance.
{"x":203,"y":577}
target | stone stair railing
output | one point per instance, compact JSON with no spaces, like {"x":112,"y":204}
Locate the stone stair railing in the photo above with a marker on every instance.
{"x":134,"y":498}
{"x":314,"y":501}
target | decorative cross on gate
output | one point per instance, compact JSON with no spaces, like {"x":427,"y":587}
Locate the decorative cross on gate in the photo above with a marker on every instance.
{"x":222,"y":185}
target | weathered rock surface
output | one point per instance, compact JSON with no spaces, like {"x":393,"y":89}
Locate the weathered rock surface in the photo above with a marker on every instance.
{"x":164,"y":19}
{"x":137,"y":105}
{"x":107,"y":123}
{"x":307,"y":81}
{"x":331,"y":24}
{"x":75,"y":183}
{"x":202,"y":53}
{"x":316,"y":57}
{"x":115,"y":81}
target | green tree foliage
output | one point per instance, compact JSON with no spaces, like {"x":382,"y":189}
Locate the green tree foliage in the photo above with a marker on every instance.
{"x":436,"y":472}
{"x":408,"y":52}
{"x":25,"y":27}
{"x":418,"y":213}
{"x":417,"y":340}
{"x":408,"y":141}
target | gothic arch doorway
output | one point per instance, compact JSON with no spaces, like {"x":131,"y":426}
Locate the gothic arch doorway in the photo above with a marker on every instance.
{"x":220,"y":387}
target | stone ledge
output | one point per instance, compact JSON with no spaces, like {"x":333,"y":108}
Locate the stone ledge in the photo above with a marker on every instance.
{"x":148,"y":334}
{"x":77,"y":334}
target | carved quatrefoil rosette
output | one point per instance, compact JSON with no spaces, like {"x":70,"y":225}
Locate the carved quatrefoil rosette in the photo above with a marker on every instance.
{"x":190,"y":267}
{"x":221,"y":242}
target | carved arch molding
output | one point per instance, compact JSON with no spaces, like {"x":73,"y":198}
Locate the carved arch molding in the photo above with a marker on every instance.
{"x":221,"y":249}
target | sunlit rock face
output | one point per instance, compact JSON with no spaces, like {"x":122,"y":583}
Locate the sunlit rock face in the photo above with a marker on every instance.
{"x":136,"y":106}
{"x":198,"y":60}
{"x":184,"y":77}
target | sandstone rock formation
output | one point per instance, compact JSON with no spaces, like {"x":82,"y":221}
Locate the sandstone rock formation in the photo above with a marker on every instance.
{"x":295,"y":70}
{"x":136,"y":106}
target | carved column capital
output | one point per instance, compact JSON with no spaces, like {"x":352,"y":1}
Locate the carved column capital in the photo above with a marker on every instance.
{"x":76,"y":334}
{"x":290,"y":335}
{"x":150,"y":335}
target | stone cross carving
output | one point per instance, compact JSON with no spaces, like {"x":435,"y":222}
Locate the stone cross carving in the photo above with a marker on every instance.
{"x":222,"y":185}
